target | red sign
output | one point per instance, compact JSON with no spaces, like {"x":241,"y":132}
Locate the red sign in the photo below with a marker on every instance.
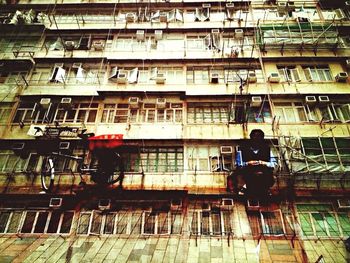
{"x":107,"y":141}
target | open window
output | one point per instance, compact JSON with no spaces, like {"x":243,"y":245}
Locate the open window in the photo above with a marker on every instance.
{"x":203,"y":14}
{"x":58,"y":74}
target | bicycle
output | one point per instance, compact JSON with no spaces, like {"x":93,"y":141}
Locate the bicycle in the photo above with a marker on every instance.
{"x":107,"y":169}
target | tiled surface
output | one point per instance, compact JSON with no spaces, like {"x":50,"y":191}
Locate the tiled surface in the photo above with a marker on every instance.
{"x":167,"y":249}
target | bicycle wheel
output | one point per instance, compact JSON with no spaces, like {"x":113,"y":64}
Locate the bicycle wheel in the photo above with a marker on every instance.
{"x":111,"y":173}
{"x":47,"y":174}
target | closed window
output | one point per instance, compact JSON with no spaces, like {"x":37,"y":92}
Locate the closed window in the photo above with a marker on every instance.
{"x":317,"y":73}
{"x":290,"y":112}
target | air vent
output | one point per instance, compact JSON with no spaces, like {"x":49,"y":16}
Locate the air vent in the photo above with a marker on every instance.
{"x":206,"y":5}
{"x":253,"y":205}
{"x":130,"y":17}
{"x":55,"y":202}
{"x":230,"y":6}
{"x":104,"y":204}
{"x":226,"y":149}
{"x":98,"y":45}
{"x":343,"y":203}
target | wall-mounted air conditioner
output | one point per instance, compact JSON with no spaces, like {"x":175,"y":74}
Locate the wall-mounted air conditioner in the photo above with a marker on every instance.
{"x":239,"y":33}
{"x":206,"y":5}
{"x":66,"y":102}
{"x":134,"y":102}
{"x":69,"y":45}
{"x":140,"y":35}
{"x":45,"y":103}
{"x":122,"y":77}
{"x":290,"y":6}
{"x":160,"y":78}
{"x":227,"y":202}
{"x":253,"y":205}
{"x":130,"y":17}
{"x":214,"y":78}
{"x":310,"y":99}
{"x":98,"y":45}
{"x":323,"y":99}
{"x":341,"y":77}
{"x":64,"y":146}
{"x":256,"y":101}
{"x":176,"y":204}
{"x":55,"y":202}
{"x":215,"y":32}
{"x":230,"y":6}
{"x":104,"y":204}
{"x":226,"y":150}
{"x":161,"y":103}
{"x":274,"y":77}
{"x":343,"y":203}
{"x":282,"y":7}
{"x":163,"y":17}
{"x":158,"y":34}
{"x":252,"y":77}
{"x":347,"y":63}
{"x":339,"y":13}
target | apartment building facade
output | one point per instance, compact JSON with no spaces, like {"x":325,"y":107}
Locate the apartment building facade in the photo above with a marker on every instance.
{"x":184,"y":83}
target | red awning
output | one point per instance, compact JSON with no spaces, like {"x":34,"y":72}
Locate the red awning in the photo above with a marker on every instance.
{"x":107,"y":141}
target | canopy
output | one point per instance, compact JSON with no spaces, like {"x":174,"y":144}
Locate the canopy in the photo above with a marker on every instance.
{"x":107,"y":141}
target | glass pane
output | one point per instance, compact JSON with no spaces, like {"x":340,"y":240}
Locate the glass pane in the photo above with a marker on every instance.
{"x":176,"y":223}
{"x":96,"y":223}
{"x":136,"y":223}
{"x":150,"y":220}
{"x":194,"y":222}
{"x":332,"y":225}
{"x":54,"y":221}
{"x":122,"y":222}
{"x":344,"y":223}
{"x":66,"y":222}
{"x":306,"y":225}
{"x":227,"y":222}
{"x":216,"y":223}
{"x":319,"y":224}
{"x":109,"y":224}
{"x":205,"y":229}
{"x":4,"y":216}
{"x":84,"y":222}
{"x":28,"y":222}
{"x":41,"y":222}
{"x":163,"y":223}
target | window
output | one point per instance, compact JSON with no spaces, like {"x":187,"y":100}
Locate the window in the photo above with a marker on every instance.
{"x":319,"y":220}
{"x":317,"y":73}
{"x":210,"y":113}
{"x":5,"y":111}
{"x":156,"y":223}
{"x":197,"y":75}
{"x":81,"y":112}
{"x":208,"y":158}
{"x":36,"y":222}
{"x":40,"y":76}
{"x":210,"y":222}
{"x":259,"y":114}
{"x":289,"y":73}
{"x":162,"y":159}
{"x":290,"y":112}
{"x":24,"y":112}
{"x":10,"y":162}
{"x":272,"y":223}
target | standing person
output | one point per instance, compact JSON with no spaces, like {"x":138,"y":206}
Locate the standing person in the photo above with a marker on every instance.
{"x":256,"y":163}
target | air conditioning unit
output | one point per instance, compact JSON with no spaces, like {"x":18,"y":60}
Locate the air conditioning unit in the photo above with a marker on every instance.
{"x":98,"y":45}
{"x":122,"y":77}
{"x":274,"y":77}
{"x":226,"y":150}
{"x":130,"y":17}
{"x":176,"y":204}
{"x":341,"y":77}
{"x":158,"y":34}
{"x":214,"y":78}
{"x":215,"y":31}
{"x":256,"y":101}
{"x":161,"y":103}
{"x":239,"y":33}
{"x":282,"y":7}
{"x":340,"y":14}
{"x":45,"y":103}
{"x":69,"y":45}
{"x":252,"y":77}
{"x":347,"y":62}
{"x":140,"y":35}
{"x":134,"y":102}
{"x":206,"y":5}
{"x":160,"y":78}
{"x":291,"y":6}
{"x":163,"y":17}
{"x":77,"y":65}
{"x":64,"y":146}
{"x":55,"y":202}
{"x":323,"y":99}
{"x":66,"y":102}
{"x":253,"y":205}
{"x":227,"y":201}
{"x":104,"y":204}
{"x":310,"y":99}
{"x":230,"y":6}
{"x":343,"y":203}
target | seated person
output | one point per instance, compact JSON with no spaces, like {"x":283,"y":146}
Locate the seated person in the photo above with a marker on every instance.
{"x":256,"y":164}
